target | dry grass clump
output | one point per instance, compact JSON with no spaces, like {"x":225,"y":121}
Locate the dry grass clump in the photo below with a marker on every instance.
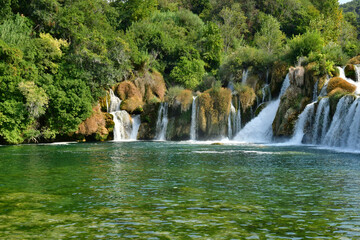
{"x":247,"y":96}
{"x":337,"y":82}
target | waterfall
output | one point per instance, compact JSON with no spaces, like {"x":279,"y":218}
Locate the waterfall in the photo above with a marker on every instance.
{"x":136,"y":122}
{"x":162,"y":122}
{"x":343,"y":76}
{"x":193,"y":120}
{"x":320,"y":127}
{"x":315,"y":91}
{"x":333,"y":135}
{"x":231,"y":119}
{"x":238,"y":119}
{"x":245,"y":74}
{"x":301,"y":123}
{"x":125,"y":127}
{"x":259,"y":129}
{"x":323,"y":91}
{"x":357,"y":72}
{"x":266,"y":92}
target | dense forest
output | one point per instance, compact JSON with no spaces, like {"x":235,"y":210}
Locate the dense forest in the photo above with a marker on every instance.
{"x":58,"y":57}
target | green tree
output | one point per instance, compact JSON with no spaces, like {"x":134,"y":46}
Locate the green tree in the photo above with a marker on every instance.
{"x":188,"y":72}
{"x":270,"y":38}
{"x":233,"y":25}
{"x":131,"y":11}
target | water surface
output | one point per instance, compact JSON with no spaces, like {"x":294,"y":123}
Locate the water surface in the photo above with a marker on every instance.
{"x":155,"y":190}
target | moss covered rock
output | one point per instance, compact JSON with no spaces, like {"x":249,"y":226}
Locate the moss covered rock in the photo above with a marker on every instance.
{"x":147,"y":130}
{"x":96,"y":127}
{"x":337,"y":82}
{"x":179,"y":123}
{"x":214,"y":108}
{"x":278,"y":74}
{"x":350,"y":71}
{"x":355,"y":60}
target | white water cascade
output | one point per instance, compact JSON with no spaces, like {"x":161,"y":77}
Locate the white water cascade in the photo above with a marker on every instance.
{"x":237,"y":122}
{"x":301,"y":123}
{"x":357,"y":72}
{"x":162,"y":122}
{"x":342,"y":131}
{"x":315,"y":91}
{"x":321,"y":123}
{"x":231,"y":120}
{"x":259,"y":129}
{"x":266,"y":93}
{"x":342,"y":75}
{"x":125,"y":127}
{"x":245,"y":75}
{"x":193,"y":120}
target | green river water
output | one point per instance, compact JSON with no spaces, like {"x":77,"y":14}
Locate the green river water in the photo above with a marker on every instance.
{"x":154,"y":190}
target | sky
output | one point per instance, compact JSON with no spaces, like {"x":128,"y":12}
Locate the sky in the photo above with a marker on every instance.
{"x":344,"y":1}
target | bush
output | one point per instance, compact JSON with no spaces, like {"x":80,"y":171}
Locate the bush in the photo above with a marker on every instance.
{"x":247,"y":95}
{"x":178,"y":95}
{"x":303,"y":45}
{"x":188,"y":72}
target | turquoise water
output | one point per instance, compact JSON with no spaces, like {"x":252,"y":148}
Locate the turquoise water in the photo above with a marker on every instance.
{"x":153,"y":190}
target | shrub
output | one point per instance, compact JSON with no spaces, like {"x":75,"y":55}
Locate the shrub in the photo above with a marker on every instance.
{"x":188,"y":72}
{"x":247,"y":95}
{"x":303,"y":45}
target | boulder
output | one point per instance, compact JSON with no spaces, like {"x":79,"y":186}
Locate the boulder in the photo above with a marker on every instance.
{"x":350,"y":71}
{"x":297,"y":76}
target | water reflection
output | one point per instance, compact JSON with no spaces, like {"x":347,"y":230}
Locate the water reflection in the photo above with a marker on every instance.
{"x":178,"y":191}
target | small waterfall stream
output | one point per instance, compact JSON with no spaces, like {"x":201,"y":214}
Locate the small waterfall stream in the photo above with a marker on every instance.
{"x":301,"y":122}
{"x":125,"y":127}
{"x":357,"y":72}
{"x":231,"y":121}
{"x":245,"y":75}
{"x":343,"y":76}
{"x":162,"y":122}
{"x":259,"y":129}
{"x":193,"y":120}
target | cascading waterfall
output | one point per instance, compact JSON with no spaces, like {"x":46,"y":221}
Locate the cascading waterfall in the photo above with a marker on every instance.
{"x":342,"y":131}
{"x":259,"y":129}
{"x":321,"y":120}
{"x":238,"y":119}
{"x":193,"y":119}
{"x":266,"y":93}
{"x":335,"y":132}
{"x":300,"y":124}
{"x":343,"y":76}
{"x":231,"y":120}
{"x":245,"y":74}
{"x":136,"y":122}
{"x":162,"y":122}
{"x":357,"y":72}
{"x":323,"y":91}
{"x":125,"y":127}
{"x":315,"y":91}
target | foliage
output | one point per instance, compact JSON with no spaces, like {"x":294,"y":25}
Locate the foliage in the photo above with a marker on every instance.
{"x":188,"y":72}
{"x":270,"y":38}
{"x":303,"y":45}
